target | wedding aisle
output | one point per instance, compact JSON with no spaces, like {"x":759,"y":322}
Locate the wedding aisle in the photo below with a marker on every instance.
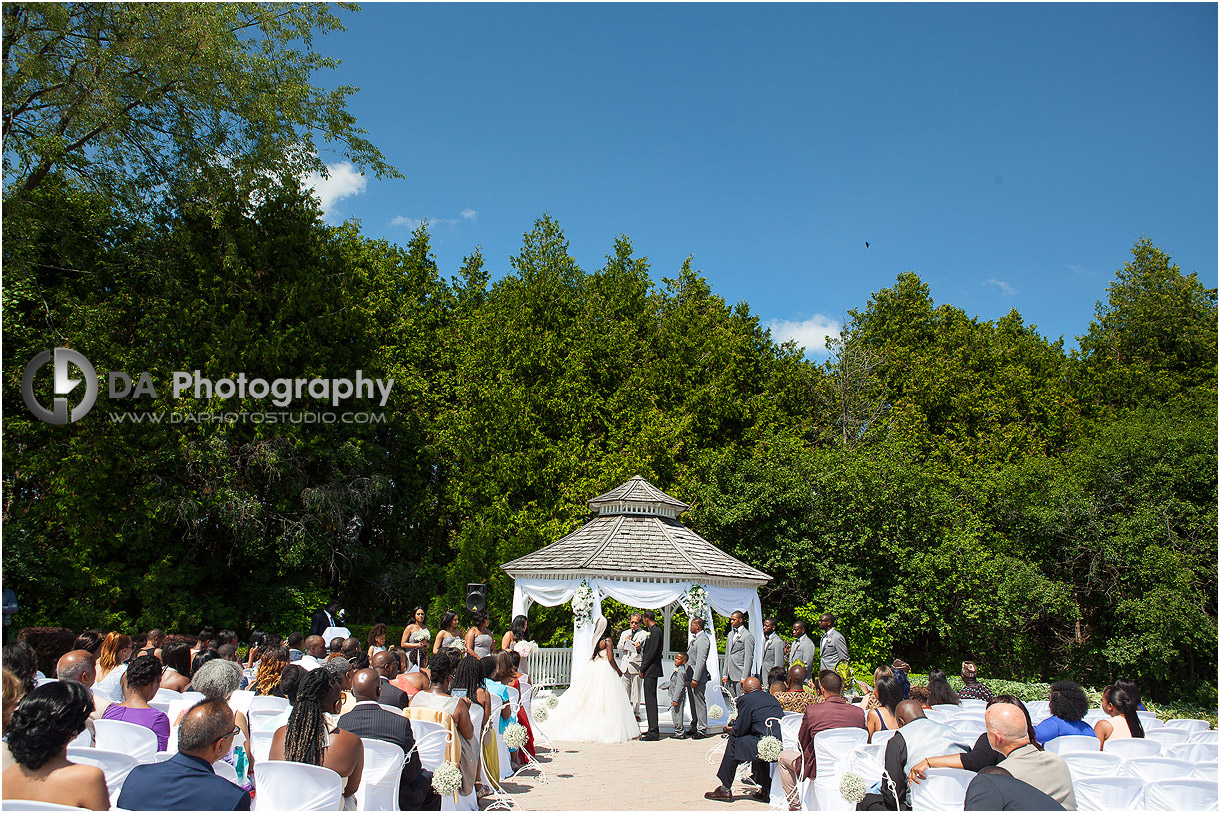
{"x":665,"y":775}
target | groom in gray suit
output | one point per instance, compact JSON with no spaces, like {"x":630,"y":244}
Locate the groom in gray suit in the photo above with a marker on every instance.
{"x":700,"y":648}
{"x":738,"y":654}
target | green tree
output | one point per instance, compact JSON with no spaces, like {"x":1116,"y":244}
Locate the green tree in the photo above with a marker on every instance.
{"x":141,"y":100}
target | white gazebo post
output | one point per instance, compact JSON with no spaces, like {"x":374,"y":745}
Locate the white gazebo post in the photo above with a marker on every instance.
{"x":669,"y":619}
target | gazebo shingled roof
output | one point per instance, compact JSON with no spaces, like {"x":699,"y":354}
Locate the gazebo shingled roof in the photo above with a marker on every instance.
{"x":636,"y":536}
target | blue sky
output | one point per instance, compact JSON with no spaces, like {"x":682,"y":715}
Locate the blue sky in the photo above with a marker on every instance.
{"x":1010,"y":155}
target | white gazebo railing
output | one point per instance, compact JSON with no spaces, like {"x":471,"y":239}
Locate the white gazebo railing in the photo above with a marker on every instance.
{"x":551,"y":667}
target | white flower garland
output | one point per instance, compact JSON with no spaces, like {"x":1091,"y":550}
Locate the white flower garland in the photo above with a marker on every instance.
{"x":695,"y":602}
{"x":515,"y":736}
{"x":715,"y":712}
{"x":769,"y":748}
{"x":852,"y":787}
{"x":582,"y":605}
{"x":542,"y":713}
{"x":447,"y":779}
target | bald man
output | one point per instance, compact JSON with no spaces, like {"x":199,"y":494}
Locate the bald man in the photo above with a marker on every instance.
{"x":315,"y":653}
{"x":386,"y":665}
{"x":758,"y":714}
{"x":370,"y":720}
{"x":1008,"y":733}
{"x":917,"y":738}
{"x":80,"y":666}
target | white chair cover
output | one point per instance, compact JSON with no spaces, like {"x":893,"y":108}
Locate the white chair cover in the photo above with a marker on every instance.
{"x":1191,"y":725}
{"x":240,"y":700}
{"x":382,"y":775}
{"x":514,"y":699}
{"x":161,"y":705}
{"x":296,"y":786}
{"x":883,"y":737}
{"x":1094,"y":716}
{"x":1108,"y":793}
{"x":1133,"y":747}
{"x":790,"y":726}
{"x":969,"y":728}
{"x":829,"y":750}
{"x":938,"y":715}
{"x":126,"y":738}
{"x":1167,"y":737}
{"x":225,"y":771}
{"x":167,"y":694}
{"x":116,"y":766}
{"x":164,"y":755}
{"x":431,"y":739}
{"x":30,"y":804}
{"x":1149,"y":720}
{"x":944,"y":789}
{"x":260,"y":745}
{"x":1073,"y":742}
{"x":1193,"y":751}
{"x":181,"y":704}
{"x":494,"y":724}
{"x":1206,"y":770}
{"x":83,"y":739}
{"x":1150,"y":769}
{"x":948,"y":708}
{"x":259,"y":719}
{"x":269,"y":701}
{"x":171,"y":745}
{"x":971,"y":703}
{"x":1038,"y":710}
{"x":468,"y":802}
{"x":1211,"y":735}
{"x":1180,"y":794}
{"x":391,"y":709}
{"x":1091,"y":764}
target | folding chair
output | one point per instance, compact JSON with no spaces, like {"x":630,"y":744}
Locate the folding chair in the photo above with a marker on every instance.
{"x":1150,"y":769}
{"x":114,"y":765}
{"x":943,"y":789}
{"x":1073,"y":742}
{"x":126,"y":738}
{"x":1132,"y":747}
{"x":382,"y":775}
{"x":1092,"y":764}
{"x":296,"y":786}
{"x":1108,"y":793}
{"x":1180,"y":794}
{"x":1190,"y":725}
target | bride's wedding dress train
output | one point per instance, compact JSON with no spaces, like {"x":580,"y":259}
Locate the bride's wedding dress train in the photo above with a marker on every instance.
{"x":594,"y":709}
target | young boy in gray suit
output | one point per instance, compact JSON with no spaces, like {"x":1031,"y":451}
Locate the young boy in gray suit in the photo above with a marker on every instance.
{"x":679,"y":679}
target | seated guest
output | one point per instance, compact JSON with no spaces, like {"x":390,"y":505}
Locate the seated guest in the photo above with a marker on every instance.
{"x":354,"y":652}
{"x":111,"y":664}
{"x":939,"y":689}
{"x":916,"y":740}
{"x":901,"y":669}
{"x":217,"y":680}
{"x":257,"y":639}
{"x":995,"y":789}
{"x":982,"y":754}
{"x":342,"y":672}
{"x":1008,"y":732}
{"x":200,"y":659}
{"x":921,"y":695}
{"x":777,"y":680}
{"x":310,"y":738}
{"x":1069,"y":704}
{"x":177,"y":673}
{"x":270,"y":667}
{"x":13,"y":692}
{"x":387,"y":666}
{"x":187,"y":780}
{"x":832,"y":712}
{"x":1123,"y":722}
{"x":152,"y":644}
{"x":973,"y":690}
{"x":226,"y":637}
{"x":335,"y":648}
{"x":203,"y":641}
{"x":1132,"y":691}
{"x":758,"y":715}
{"x":438,"y":697}
{"x":295,"y":646}
{"x":90,"y":641}
{"x":795,"y":696}
{"x":315,"y":653}
{"x":369,"y":720}
{"x":227,"y":652}
{"x":411,"y":682}
{"x":143,"y":681}
{"x":42,"y":725}
{"x":885,"y":690}
{"x":21,"y":659}
{"x":80,"y":666}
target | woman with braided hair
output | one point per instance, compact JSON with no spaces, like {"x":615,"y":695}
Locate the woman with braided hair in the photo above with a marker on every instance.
{"x":313,"y":737}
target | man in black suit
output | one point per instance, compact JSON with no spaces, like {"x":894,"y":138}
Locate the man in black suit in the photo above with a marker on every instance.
{"x":758,"y":714}
{"x":369,"y":720}
{"x":327,"y":617}
{"x":650,"y":670}
{"x":386,"y":665}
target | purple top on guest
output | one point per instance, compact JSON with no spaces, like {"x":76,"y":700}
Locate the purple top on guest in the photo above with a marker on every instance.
{"x":153,"y":719}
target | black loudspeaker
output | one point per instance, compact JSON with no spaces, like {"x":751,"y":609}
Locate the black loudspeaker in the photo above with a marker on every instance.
{"x":476,"y":597}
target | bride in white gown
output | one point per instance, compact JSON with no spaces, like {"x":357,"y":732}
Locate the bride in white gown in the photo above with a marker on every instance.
{"x":596,"y":707}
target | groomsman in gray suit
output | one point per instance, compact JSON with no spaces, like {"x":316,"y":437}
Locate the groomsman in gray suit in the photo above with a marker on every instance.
{"x":629,"y":647}
{"x":700,"y":649}
{"x":803,"y":648}
{"x":773,"y":647}
{"x":834,"y":645}
{"x":738,"y":654}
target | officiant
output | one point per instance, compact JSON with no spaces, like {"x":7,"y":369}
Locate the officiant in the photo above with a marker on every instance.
{"x":630,"y":645}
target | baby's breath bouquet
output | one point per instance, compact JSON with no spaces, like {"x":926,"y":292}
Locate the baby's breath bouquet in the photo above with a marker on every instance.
{"x":447,"y":780}
{"x":769,"y":748}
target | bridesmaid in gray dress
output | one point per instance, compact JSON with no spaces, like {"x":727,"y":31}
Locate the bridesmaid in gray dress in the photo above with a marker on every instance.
{"x":478,"y":638}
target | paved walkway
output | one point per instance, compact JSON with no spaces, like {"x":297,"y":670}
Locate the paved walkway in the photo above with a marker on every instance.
{"x":666,"y":775}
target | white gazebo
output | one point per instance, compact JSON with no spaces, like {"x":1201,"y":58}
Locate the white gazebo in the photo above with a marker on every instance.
{"x":637,"y":552}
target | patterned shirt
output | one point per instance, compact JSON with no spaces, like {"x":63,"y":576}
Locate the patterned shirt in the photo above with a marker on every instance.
{"x":974,"y":691}
{"x":796,"y":701}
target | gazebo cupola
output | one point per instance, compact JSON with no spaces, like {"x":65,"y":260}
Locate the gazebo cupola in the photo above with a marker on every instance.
{"x":637,"y":497}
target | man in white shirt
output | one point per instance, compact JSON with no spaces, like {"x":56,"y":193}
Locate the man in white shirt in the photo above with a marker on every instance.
{"x":315,"y":653}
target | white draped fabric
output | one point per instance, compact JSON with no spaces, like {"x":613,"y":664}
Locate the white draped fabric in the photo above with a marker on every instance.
{"x":646,"y":596}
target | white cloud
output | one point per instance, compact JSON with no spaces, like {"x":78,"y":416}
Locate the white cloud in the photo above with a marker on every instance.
{"x":1004,"y":287}
{"x":811,"y":333}
{"x":469,"y":214}
{"x":413,"y":223}
{"x":1080,"y":270}
{"x":344,"y":181}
